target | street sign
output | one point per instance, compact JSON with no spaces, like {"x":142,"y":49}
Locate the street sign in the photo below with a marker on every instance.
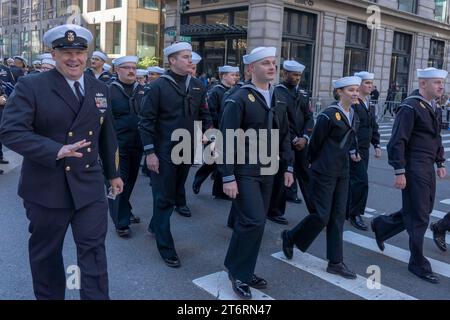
{"x":185,"y":39}
{"x":171,"y":33}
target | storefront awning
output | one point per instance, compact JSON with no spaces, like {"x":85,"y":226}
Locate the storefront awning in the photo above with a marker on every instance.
{"x":205,"y":30}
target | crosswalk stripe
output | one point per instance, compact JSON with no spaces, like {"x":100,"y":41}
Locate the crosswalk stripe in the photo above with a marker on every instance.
{"x":368,"y":215}
{"x":14,"y":159}
{"x":429,"y":235}
{"x":438,"y":214}
{"x":445,"y":141}
{"x":446,"y":149}
{"x":384,"y":148}
{"x":393,"y":252}
{"x":370,"y":210}
{"x":219,"y":286}
{"x":445,"y":135}
{"x":445,"y":201}
{"x":358,"y":286}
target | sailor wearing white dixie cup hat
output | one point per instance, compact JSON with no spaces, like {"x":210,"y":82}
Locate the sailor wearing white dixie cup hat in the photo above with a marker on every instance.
{"x":414,"y":149}
{"x":174,"y":101}
{"x":332,"y":141}
{"x":154,"y":73}
{"x":254,"y":106}
{"x":97,"y":69}
{"x":61,"y":138}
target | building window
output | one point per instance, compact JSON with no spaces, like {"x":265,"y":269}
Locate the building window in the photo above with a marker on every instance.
{"x":436,"y":57}
{"x":197,"y":19}
{"x":35,"y":44}
{"x":14,"y":12}
{"x":96,"y":35}
{"x":147,"y":36}
{"x":110,"y":4}
{"x":15,"y":44}
{"x":25,"y":11}
{"x":440,"y":11}
{"x":7,"y":46}
{"x":94,"y":5}
{"x":356,"y":48}
{"x":298,"y":43}
{"x":400,"y":62}
{"x":61,"y":8}
{"x":407,"y":5}
{"x":218,"y":18}
{"x":114,"y":33}
{"x":25,"y":44}
{"x":149,"y":4}
{"x":48,"y":9}
{"x":241,"y":18}
{"x":5,"y":13}
{"x":35,"y":10}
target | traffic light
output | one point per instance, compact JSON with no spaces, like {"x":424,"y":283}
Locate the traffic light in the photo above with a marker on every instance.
{"x":185,"y":5}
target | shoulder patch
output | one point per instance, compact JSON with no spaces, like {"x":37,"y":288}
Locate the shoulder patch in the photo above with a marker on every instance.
{"x":338,"y":116}
{"x":251,"y":97}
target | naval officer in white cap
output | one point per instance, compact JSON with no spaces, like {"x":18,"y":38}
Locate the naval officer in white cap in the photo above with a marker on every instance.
{"x":414,"y":149}
{"x":174,"y":101}
{"x":332,"y":142}
{"x":61,"y":138}
{"x":97,"y":68}
{"x":254,"y":106}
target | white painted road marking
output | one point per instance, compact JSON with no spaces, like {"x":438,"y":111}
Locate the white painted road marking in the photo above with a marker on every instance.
{"x":358,"y":286}
{"x":14,"y":159}
{"x":219,"y":286}
{"x":445,"y":201}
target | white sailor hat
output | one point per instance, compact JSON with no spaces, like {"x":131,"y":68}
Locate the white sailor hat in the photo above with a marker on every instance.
{"x":236,"y":69}
{"x":431,"y":73}
{"x":106,"y":67}
{"x":293,"y":66}
{"x":21,"y":59}
{"x":141,"y":72}
{"x":347,"y":81}
{"x":259,"y":54}
{"x":100,"y":55}
{"x":176,"y":47}
{"x":364,"y":75}
{"x":68,"y":36}
{"x":46,"y":55}
{"x":226,"y":69}
{"x":125,"y":59}
{"x":196,"y":58}
{"x":156,"y":69}
{"x":37,"y":62}
{"x":49,"y":61}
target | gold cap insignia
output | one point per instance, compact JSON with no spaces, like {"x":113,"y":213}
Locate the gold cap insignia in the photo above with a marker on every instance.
{"x":251,"y":97}
{"x":338,"y":116}
{"x":70,"y":36}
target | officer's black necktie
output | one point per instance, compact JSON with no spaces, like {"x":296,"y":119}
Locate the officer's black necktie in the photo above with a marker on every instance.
{"x":78,"y":91}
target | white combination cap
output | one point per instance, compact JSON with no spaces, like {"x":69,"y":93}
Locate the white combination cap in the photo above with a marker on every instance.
{"x":364,"y":75}
{"x":177,"y":47}
{"x":259,"y":54}
{"x":68,"y":36}
{"x":347,"y":81}
{"x":431,"y":73}
{"x":125,"y":59}
{"x":293,"y":66}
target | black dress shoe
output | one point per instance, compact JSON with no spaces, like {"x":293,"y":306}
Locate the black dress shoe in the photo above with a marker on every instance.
{"x":173,"y":262}
{"x":438,"y":237}
{"x":195,"y":188}
{"x":123,"y":232}
{"x":430,"y":277}
{"x":278,"y":219}
{"x":184,"y":211}
{"x":380,"y":243}
{"x":3,"y":161}
{"x":257,"y":282}
{"x":134,"y":219}
{"x":240,"y":288}
{"x":294,"y":200}
{"x":341,"y":269}
{"x":288,"y":245}
{"x":358,"y":223}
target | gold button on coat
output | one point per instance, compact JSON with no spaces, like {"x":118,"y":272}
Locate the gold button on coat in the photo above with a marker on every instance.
{"x":91,"y":133}
{"x":70,"y":134}
{"x":87,"y":166}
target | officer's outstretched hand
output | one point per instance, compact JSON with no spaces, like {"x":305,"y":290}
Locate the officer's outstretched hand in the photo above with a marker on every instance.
{"x":152,"y":162}
{"x":377,"y":152}
{"x":400,"y":182}
{"x":288,"y":179}
{"x":116,"y":185}
{"x":441,"y":172}
{"x":70,"y":150}
{"x":231,"y":189}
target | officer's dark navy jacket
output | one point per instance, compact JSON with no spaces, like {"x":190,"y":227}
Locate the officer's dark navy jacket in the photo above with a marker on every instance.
{"x":416,"y":138}
{"x":368,"y":128}
{"x":167,"y":107}
{"x":247,"y":109}
{"x":5,"y":74}
{"x":16,"y":73}
{"x":125,"y":110}
{"x":332,"y":140}
{"x":301,"y":119}
{"x":215,"y":96}
{"x":40,"y":117}
{"x":105,"y":76}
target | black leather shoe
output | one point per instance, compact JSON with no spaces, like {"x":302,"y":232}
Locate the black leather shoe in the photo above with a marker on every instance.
{"x":341,"y":269}
{"x":430,"y":277}
{"x":123,"y":232}
{"x":3,"y":161}
{"x":184,"y":211}
{"x":257,"y":282}
{"x":380,"y":243}
{"x":134,"y":219}
{"x":438,"y":237}
{"x":358,"y":223}
{"x":173,"y":262}
{"x":294,"y":200}
{"x":278,"y":219}
{"x":288,"y":245}
{"x":195,"y":188}
{"x":240,"y":288}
